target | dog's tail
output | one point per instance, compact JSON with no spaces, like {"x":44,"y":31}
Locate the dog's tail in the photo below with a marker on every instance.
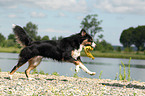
{"x":21,"y":36}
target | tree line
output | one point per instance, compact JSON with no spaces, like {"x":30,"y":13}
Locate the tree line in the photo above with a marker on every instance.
{"x":31,"y":29}
{"x":133,"y":36}
{"x":90,"y":23}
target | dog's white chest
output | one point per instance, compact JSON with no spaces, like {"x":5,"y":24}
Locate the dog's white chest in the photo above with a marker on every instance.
{"x":76,"y":53}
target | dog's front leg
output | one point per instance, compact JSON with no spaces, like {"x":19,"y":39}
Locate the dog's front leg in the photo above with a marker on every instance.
{"x":77,"y":68}
{"x":82,"y":66}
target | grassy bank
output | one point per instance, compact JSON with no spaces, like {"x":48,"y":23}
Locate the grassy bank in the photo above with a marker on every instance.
{"x":10,"y":50}
{"x":133,"y":55}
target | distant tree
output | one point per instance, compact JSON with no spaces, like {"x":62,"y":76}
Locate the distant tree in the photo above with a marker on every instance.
{"x":11,"y":37}
{"x":133,"y":36}
{"x":128,"y":49}
{"x":118,"y":49}
{"x":31,"y":29}
{"x":104,"y":46}
{"x":38,"y":38}
{"x":91,"y":24}
{"x":2,"y":39}
{"x":100,"y":36}
{"x":139,"y":37}
{"x":54,"y":38}
{"x":10,"y":43}
{"x":126,"y":38}
{"x":60,"y":37}
{"x":45,"y":38}
{"x":107,"y":46}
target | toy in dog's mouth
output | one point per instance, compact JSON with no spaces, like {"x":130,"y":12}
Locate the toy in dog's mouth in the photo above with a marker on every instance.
{"x":87,"y":50}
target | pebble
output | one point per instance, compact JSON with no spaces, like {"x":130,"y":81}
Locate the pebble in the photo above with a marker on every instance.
{"x":50,"y":85}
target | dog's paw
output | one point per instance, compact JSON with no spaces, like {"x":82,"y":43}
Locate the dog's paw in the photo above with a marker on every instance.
{"x":77,"y":68}
{"x":93,"y":73}
{"x":10,"y":77}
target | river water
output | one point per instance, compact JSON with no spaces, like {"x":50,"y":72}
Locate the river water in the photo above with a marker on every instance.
{"x":108,"y":66}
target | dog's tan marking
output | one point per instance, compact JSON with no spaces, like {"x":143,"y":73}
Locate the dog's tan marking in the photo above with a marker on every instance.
{"x":86,"y":42}
{"x":13,"y":71}
{"x":33,"y":63}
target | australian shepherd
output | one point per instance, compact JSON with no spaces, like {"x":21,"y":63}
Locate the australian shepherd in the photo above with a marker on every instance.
{"x":67,"y":49}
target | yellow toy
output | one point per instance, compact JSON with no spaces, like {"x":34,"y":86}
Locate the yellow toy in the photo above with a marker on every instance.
{"x":87,"y":50}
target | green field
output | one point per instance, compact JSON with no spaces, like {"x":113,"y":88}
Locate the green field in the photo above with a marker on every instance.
{"x":133,"y":55}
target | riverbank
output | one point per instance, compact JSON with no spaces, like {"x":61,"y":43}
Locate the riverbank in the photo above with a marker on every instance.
{"x":9,"y":50}
{"x":133,"y":55}
{"x":51,"y":85}
{"x":124,"y":55}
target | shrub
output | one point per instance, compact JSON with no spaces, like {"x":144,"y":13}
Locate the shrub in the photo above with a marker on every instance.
{"x":123,"y":76}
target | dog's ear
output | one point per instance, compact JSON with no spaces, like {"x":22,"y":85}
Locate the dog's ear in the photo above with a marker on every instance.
{"x":83,"y":32}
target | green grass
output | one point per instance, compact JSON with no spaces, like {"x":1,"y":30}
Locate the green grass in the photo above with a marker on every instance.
{"x":75,"y":75}
{"x":100,"y":74}
{"x":123,"y":76}
{"x":10,"y":50}
{"x":133,"y":55}
{"x":55,"y":73}
{"x":35,"y":71}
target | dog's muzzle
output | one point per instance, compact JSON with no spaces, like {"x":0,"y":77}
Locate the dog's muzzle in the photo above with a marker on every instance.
{"x":93,"y":44}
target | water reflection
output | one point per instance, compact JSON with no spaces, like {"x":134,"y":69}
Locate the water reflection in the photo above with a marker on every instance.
{"x":135,"y":65}
{"x":97,"y":63}
{"x":109,"y":66}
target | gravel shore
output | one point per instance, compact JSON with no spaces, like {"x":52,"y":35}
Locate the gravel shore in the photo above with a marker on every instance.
{"x":50,"y":85}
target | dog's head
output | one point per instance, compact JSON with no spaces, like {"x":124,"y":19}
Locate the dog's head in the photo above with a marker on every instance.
{"x":87,"y":40}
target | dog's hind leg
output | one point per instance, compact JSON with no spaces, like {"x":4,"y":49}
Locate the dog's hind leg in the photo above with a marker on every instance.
{"x":33,"y":63}
{"x":21,"y":62}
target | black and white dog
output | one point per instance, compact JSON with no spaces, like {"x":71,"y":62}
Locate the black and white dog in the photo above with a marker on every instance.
{"x":67,"y":49}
